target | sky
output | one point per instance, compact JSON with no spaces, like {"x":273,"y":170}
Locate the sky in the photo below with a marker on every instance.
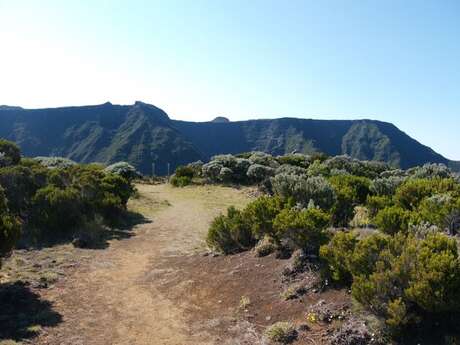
{"x":389,"y":60}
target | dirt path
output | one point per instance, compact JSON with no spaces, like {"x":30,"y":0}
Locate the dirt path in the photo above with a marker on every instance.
{"x":114,"y":299}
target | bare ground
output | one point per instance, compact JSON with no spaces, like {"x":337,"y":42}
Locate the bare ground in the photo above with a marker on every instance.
{"x":158,"y":286}
{"x":114,"y":299}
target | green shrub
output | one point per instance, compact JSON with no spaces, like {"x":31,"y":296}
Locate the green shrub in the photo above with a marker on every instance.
{"x":410,"y":279}
{"x":9,"y":153}
{"x":295,"y":159}
{"x":261,"y":213}
{"x":184,"y":171}
{"x":20,"y":184}
{"x":392,"y":219}
{"x":180,"y":181}
{"x":375,"y":203}
{"x":9,"y":227}
{"x":114,"y":195}
{"x":412,"y":192}
{"x":56,"y":211}
{"x":336,"y":255}
{"x":350,"y":192}
{"x":305,"y":228}
{"x":230,"y":233}
{"x":363,"y":259}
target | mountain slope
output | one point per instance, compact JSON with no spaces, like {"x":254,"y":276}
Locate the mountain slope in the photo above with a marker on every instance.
{"x":140,"y":134}
{"x":143,"y":134}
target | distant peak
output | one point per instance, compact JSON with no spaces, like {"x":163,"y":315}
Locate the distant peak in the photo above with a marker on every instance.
{"x":139,"y":103}
{"x":220,"y":119}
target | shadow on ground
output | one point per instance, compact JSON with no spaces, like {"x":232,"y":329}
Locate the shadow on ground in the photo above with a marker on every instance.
{"x":23,"y":312}
{"x":121,"y":229}
{"x":90,"y":236}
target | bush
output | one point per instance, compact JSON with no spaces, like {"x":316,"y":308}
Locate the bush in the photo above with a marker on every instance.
{"x":264,"y":159}
{"x":226,"y":175}
{"x":55,"y":162}
{"x":265,"y":247}
{"x":392,"y":219}
{"x":411,"y":279}
{"x":302,"y":190}
{"x":386,"y":185}
{"x":258,"y":173}
{"x":115,"y":193}
{"x":291,"y":170}
{"x":9,"y":153}
{"x":430,"y":171}
{"x":184,"y":171}
{"x":211,"y":171}
{"x":235,"y":169}
{"x":305,"y":228}
{"x":56,"y":211}
{"x":9,"y":227}
{"x":20,"y":184}
{"x":295,"y":159}
{"x":412,"y":192}
{"x":336,"y":255}
{"x":375,"y":203}
{"x":123,"y":169}
{"x":261,"y":213}
{"x":230,"y":233}
{"x":281,"y":332}
{"x":350,"y":192}
{"x":180,"y":181}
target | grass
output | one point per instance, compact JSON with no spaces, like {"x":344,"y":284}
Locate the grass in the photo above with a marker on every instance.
{"x":281,"y":332}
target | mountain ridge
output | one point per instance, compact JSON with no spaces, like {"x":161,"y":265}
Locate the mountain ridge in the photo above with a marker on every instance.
{"x":143,"y":134}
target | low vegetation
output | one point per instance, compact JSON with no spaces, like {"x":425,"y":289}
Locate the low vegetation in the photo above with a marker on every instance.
{"x":281,"y":332}
{"x":388,"y":235}
{"x":52,"y":199}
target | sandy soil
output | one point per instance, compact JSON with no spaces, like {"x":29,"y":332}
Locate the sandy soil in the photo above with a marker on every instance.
{"x":115,"y":298}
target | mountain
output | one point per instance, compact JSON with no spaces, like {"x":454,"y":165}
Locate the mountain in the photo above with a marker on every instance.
{"x":143,"y":134}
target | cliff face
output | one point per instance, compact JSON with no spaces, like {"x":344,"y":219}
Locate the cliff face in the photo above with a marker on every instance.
{"x":143,"y":134}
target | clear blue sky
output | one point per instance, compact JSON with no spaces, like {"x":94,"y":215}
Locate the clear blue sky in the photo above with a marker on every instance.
{"x":396,"y":61}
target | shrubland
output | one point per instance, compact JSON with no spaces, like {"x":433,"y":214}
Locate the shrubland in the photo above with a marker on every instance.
{"x":387,"y":234}
{"x":52,"y":198}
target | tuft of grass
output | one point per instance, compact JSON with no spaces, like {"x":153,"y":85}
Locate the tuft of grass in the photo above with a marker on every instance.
{"x":281,"y":332}
{"x":289,"y":293}
{"x":245,"y":302}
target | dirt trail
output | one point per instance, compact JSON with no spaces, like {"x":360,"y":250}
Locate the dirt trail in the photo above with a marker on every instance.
{"x":114,"y":299}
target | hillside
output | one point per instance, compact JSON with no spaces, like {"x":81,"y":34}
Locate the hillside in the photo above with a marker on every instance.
{"x":143,"y":134}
